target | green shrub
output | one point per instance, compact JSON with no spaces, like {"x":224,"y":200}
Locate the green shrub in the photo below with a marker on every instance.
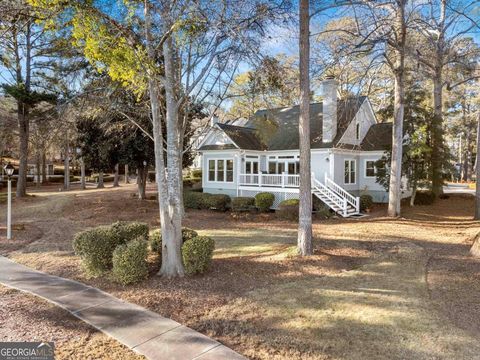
{"x":95,"y":247}
{"x":193,"y":200}
{"x":366,"y":202}
{"x":156,"y":238}
{"x":129,"y":262}
{"x":197,"y":254}
{"x":288,"y":209}
{"x":243,"y":203}
{"x":199,"y":200}
{"x":264,"y":201}
{"x":424,"y":197}
{"x":196,"y":174}
{"x":129,"y":230}
{"x":218,"y":202}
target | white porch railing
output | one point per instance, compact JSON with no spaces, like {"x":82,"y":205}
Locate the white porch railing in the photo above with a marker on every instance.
{"x":270,"y":180}
{"x":352,"y":200}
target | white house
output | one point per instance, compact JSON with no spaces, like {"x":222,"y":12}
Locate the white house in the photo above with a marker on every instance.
{"x":262,"y":155}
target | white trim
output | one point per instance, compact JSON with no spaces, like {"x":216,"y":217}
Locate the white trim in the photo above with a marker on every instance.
{"x":350,"y":168}
{"x":365,"y":169}
{"x":212,"y":131}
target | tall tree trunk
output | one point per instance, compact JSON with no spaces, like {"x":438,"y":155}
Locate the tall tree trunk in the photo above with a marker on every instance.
{"x":170,"y":218}
{"x":172,"y":234}
{"x":477,"y":173}
{"x":394,"y":196}
{"x":414,"y":193}
{"x":142,"y":182}
{"x":116,"y":177}
{"x":23,"y":133}
{"x":468,"y":158}
{"x":37,"y":169}
{"x":83,"y":184}
{"x":66,"y":166}
{"x":437,"y":134}
{"x":44,"y":166}
{"x":100,"y":184}
{"x":23,"y":110}
{"x":126,"y":174}
{"x":437,"y":123}
{"x":305,"y":211}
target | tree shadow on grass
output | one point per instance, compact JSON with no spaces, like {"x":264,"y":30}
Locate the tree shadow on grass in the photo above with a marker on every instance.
{"x":379,"y":311}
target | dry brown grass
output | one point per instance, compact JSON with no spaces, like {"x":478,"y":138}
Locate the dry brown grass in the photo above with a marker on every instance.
{"x":376,"y":287}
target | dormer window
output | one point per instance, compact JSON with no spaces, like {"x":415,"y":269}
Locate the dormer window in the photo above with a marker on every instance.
{"x":357,"y":131}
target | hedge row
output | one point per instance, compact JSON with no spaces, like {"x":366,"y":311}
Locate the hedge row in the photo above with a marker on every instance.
{"x":200,"y":200}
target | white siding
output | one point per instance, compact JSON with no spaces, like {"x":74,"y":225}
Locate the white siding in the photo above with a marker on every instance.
{"x":365,"y":118}
{"x":219,"y":186}
{"x":217,"y":137}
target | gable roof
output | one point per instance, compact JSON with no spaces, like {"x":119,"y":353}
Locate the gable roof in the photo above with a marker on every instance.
{"x":277,"y":129}
{"x":244,"y":137}
{"x":378,"y":137}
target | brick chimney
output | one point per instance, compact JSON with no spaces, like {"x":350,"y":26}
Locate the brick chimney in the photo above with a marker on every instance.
{"x":329,"y":92}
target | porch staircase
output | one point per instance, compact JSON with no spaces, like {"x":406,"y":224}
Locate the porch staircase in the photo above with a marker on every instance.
{"x":336,"y":197}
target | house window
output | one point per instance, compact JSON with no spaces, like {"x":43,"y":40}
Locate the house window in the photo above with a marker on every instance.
{"x":211,"y":170}
{"x":369,"y":168}
{"x":220,"y":170}
{"x":357,"y":131}
{"x":229,"y":170}
{"x":350,"y":171}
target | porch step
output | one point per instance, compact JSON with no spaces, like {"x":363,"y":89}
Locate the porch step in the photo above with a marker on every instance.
{"x":334,"y":199}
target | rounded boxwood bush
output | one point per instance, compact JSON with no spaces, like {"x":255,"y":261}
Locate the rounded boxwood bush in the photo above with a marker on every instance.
{"x":193,"y":200}
{"x":95,"y":247}
{"x":424,"y":197}
{"x":264,"y":201}
{"x":129,"y":230}
{"x":129,"y":262}
{"x":197,"y":254}
{"x":156,"y":238}
{"x":366,"y":202}
{"x":288,"y":209}
{"x":218,"y":202}
{"x":243,"y":203}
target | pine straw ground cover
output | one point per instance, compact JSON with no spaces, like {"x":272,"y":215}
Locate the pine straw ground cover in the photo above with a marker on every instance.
{"x":25,"y":317}
{"x":376,"y":288}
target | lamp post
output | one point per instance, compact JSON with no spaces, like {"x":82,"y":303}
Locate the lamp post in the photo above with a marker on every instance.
{"x":9,"y":170}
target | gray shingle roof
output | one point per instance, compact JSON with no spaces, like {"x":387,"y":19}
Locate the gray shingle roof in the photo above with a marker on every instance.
{"x":277,"y":129}
{"x":379,"y":137}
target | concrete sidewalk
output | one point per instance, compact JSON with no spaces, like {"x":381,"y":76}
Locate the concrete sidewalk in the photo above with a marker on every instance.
{"x":143,"y":331}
